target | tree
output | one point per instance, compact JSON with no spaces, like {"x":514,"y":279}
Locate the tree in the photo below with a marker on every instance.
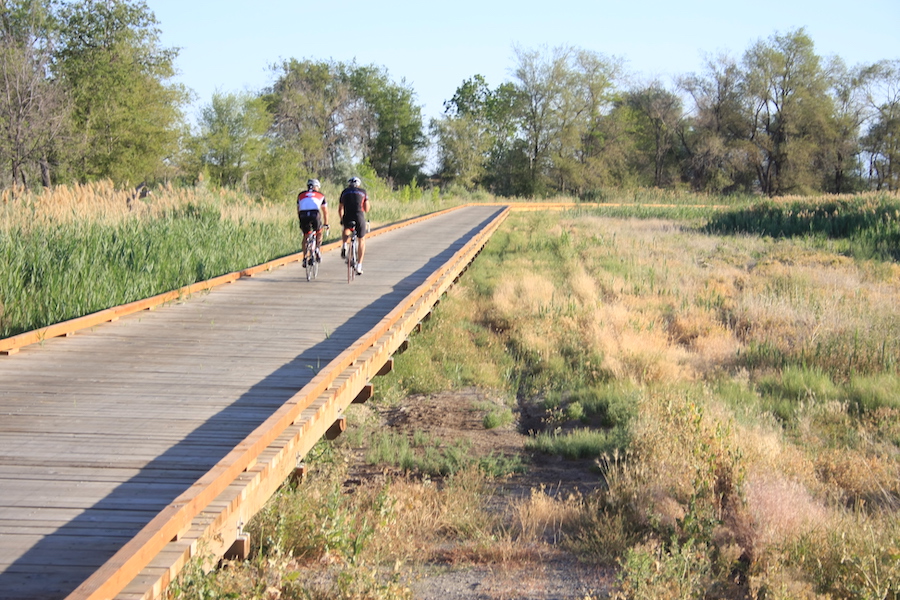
{"x":391,"y":131}
{"x":125,"y":113}
{"x":586,"y":97}
{"x":840,"y":172}
{"x":716,"y":138}
{"x":658,"y":114}
{"x":540,"y":82}
{"x":462,"y":147}
{"x":33,"y":106}
{"x":331,"y":116}
{"x":882,"y":140}
{"x":465,"y":134}
{"x":232,"y":138}
{"x":563,"y":96}
{"x":311,"y":106}
{"x":787,"y":85}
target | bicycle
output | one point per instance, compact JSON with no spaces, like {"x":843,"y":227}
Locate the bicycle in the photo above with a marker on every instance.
{"x":352,"y":252}
{"x":312,"y":256}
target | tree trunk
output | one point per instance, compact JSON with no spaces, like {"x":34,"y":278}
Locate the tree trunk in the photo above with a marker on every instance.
{"x":45,"y":173}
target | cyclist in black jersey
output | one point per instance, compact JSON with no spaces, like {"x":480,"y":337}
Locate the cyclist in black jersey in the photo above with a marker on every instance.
{"x":353,"y":206}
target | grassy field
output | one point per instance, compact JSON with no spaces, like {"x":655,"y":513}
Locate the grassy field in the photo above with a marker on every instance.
{"x":730,"y":375}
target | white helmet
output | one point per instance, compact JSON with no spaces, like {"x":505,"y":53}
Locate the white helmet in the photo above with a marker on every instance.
{"x":313,"y":183}
{"x":355,"y":182}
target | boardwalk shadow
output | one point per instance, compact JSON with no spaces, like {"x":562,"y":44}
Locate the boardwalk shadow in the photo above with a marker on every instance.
{"x":90,"y":539}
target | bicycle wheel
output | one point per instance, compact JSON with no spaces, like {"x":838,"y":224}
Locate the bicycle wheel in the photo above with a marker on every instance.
{"x":350,"y":266}
{"x":352,"y":257}
{"x":312,"y":267}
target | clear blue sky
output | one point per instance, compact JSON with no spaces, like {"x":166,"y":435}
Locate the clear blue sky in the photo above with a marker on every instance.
{"x":228,"y":45}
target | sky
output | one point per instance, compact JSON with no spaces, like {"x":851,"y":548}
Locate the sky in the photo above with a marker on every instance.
{"x":229,"y":45}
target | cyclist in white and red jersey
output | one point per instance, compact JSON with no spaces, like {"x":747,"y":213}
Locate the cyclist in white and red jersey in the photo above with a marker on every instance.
{"x":312,"y":210}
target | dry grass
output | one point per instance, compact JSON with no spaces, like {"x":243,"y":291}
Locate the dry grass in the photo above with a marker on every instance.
{"x":676,"y":312}
{"x":101,"y":202}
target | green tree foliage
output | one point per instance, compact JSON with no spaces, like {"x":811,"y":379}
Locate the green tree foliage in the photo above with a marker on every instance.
{"x":781,"y":120}
{"x":656,"y":114}
{"x":538,"y":135}
{"x":463,"y":145}
{"x":125,"y":114}
{"x":465,"y":135}
{"x":85,"y":95}
{"x":330,"y":116}
{"x":232,"y":138}
{"x":839,"y":164}
{"x":541,"y":81}
{"x":311,"y":107}
{"x":718,"y":153}
{"x":787,"y":88}
{"x":390,"y":131}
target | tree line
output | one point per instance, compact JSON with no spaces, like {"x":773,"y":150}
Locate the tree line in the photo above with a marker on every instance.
{"x":87,"y":94}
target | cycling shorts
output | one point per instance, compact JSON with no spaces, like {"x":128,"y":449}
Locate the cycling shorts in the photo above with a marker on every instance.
{"x":310,"y":220}
{"x":360,"y":219}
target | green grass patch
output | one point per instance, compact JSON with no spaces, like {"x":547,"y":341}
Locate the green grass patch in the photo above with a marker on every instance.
{"x":430,"y":456}
{"x":579,"y":443}
{"x":499,"y":417}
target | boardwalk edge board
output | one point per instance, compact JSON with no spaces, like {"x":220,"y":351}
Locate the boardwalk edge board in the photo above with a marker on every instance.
{"x":208,"y":518}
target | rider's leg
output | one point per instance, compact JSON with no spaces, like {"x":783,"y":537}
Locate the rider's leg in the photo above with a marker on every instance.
{"x":362,"y":249}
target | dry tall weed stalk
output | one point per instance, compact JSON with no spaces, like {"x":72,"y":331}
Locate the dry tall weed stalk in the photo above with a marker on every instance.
{"x":101,"y":202}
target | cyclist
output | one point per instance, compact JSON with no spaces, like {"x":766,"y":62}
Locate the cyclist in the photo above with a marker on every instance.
{"x":312,"y":210}
{"x":353,"y":206}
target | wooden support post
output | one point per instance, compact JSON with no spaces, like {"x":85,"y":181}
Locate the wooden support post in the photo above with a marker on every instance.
{"x":336,"y":429}
{"x":240,"y":549}
{"x":297,"y":475}
{"x":386,"y":368}
{"x":364,"y":394}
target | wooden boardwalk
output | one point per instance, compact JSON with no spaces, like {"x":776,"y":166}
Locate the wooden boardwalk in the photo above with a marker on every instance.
{"x":101,"y":431}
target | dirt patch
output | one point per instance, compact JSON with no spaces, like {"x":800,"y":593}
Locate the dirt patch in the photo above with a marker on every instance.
{"x":550,"y":572}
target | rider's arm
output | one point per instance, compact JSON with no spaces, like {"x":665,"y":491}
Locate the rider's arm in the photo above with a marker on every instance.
{"x":324,"y":215}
